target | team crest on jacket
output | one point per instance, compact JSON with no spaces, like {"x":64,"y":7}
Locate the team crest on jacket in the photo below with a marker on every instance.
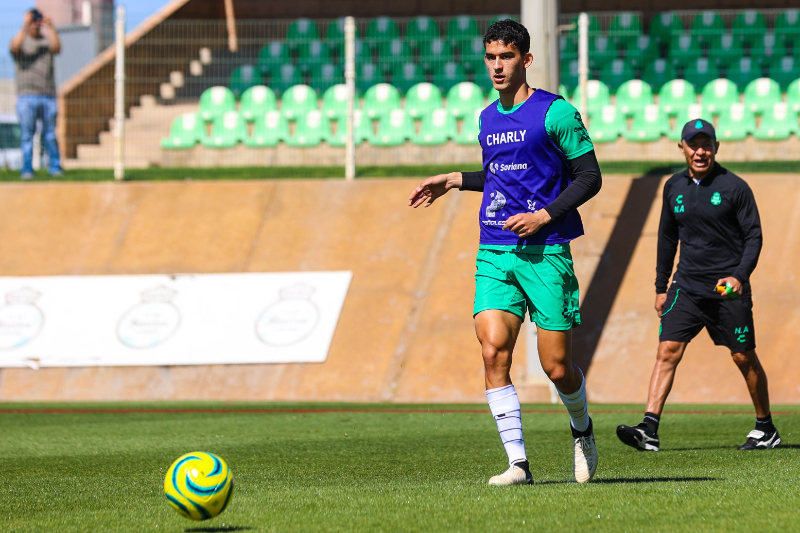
{"x":716,"y":199}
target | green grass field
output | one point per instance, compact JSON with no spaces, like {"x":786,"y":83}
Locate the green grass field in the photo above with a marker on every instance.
{"x":390,"y":468}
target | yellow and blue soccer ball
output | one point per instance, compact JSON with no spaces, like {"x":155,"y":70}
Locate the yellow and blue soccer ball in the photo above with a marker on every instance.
{"x":199,"y":485}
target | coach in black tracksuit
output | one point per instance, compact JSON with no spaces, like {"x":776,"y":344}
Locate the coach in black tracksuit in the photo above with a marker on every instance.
{"x":713,"y":213}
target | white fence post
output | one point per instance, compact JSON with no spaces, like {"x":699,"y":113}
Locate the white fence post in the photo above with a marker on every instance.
{"x":119,"y":96}
{"x":350,"y":81}
{"x":583,"y":59}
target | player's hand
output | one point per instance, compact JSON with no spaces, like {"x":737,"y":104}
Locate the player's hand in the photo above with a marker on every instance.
{"x":432,"y":188}
{"x":736,"y":286}
{"x":47,"y":21}
{"x":661,"y":299}
{"x":526,"y":224}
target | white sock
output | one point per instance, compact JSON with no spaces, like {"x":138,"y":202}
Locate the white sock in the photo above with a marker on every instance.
{"x":504,"y":404}
{"x":576,"y":405}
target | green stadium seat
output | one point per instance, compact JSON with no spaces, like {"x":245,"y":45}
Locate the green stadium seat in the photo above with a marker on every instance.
{"x":297,"y":101}
{"x":462,"y":28}
{"x":691,"y":112}
{"x":701,"y":72}
{"x":567,"y":47}
{"x":605,"y":125}
{"x":675,"y":96}
{"x":748,"y":26}
{"x":625,"y":29}
{"x":735,"y":123}
{"x":187,"y":130}
{"x":504,"y":16}
{"x":423,"y":98}
{"x":777,"y":124}
{"x":394,"y":128}
{"x":256,"y":101}
{"x":394,"y":52}
{"x":761,"y":94}
{"x":380,"y":100}
{"x":363,"y":53}
{"x":470,"y":128}
{"x":648,"y":125}
{"x":767,"y":49}
{"x":311,"y":130}
{"x":301,"y":31}
{"x":719,"y":95}
{"x":597,"y":95}
{"x":616,"y":73}
{"x":793,"y":96}
{"x":725,"y":50}
{"x":569,"y":74}
{"x":362,"y":129}
{"x":368,"y":75}
{"x":685,"y":50}
{"x":226,"y":131}
{"x":787,"y":27}
{"x":419,"y":30}
{"x":450,"y":74}
{"x":594,"y":26}
{"x":334,"y":101}
{"x":433,"y":55}
{"x":406,"y":75}
{"x":563,"y":91}
{"x":243,"y":78}
{"x":658,"y":72}
{"x":666,"y":27}
{"x":785,"y":70}
{"x":382,"y":29}
{"x":633,"y":96}
{"x":284,"y":76}
{"x":463,"y":99}
{"x":743,"y":71}
{"x":326,"y":76}
{"x":334,"y":36}
{"x":642,"y":52}
{"x":602,"y":51}
{"x":707,"y":25}
{"x":269,"y":129}
{"x":471,"y":54}
{"x":272,"y":55}
{"x":437,"y":127}
{"x":311,"y":54}
{"x":216,"y":101}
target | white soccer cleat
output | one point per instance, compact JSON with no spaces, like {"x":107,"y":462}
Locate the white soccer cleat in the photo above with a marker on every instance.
{"x":513,"y":476}
{"x":585,"y":456}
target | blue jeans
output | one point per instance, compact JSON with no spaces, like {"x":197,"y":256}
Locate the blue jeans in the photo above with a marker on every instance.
{"x":31,"y":108}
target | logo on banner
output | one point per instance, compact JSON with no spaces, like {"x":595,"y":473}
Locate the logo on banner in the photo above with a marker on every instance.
{"x":289,"y":320}
{"x":20,"y":319}
{"x":151,"y":322}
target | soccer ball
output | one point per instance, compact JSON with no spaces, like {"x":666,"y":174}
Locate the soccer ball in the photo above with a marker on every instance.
{"x":199,"y":485}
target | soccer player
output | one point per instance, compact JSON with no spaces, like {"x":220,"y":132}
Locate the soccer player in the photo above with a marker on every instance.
{"x":713,"y":214}
{"x":538,"y":167}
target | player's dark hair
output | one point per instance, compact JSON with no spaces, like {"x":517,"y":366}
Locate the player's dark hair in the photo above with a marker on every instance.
{"x":509,"y":32}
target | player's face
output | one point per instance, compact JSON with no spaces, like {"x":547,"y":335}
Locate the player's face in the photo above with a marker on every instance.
{"x":506,"y":65}
{"x":700,"y":152}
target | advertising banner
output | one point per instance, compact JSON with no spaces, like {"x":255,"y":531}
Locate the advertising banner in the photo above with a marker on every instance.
{"x":186,"y":319}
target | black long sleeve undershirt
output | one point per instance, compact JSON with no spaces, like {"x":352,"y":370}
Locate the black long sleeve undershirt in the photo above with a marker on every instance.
{"x":585,"y":184}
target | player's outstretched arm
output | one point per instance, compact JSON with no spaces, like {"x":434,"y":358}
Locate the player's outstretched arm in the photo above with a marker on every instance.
{"x":432,"y":188}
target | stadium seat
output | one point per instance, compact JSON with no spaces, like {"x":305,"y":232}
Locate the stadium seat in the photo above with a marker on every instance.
{"x":666,"y":27}
{"x":243,"y":78}
{"x":394,"y":128}
{"x":748,"y":26}
{"x":684,"y":51}
{"x":725,"y":50}
{"x":393,"y":52}
{"x":718,"y":95}
{"x":761,"y":94}
{"x":334,"y":101}
{"x":363,"y":53}
{"x":381,"y":30}
{"x":216,"y":101}
{"x":625,"y":29}
{"x":256,"y":101}
{"x":463,"y":99}
{"x":633,"y":96}
{"x":433,"y":55}
{"x":492,"y":95}
{"x":311,"y":130}
{"x":406,"y":75}
{"x":368,"y":75}
{"x":605,"y":125}
{"x":787,"y":27}
{"x":567,"y":47}
{"x":676,"y":95}
{"x":504,"y":16}
{"x":334,"y":37}
{"x":380,"y":100}
{"x":616,"y":73}
{"x":743,"y":71}
{"x":436,"y":128}
{"x":658,"y":72}
{"x":777,"y":124}
{"x":187,"y":130}
{"x":767,"y":49}
{"x":470,"y":129}
{"x":284,"y":76}
{"x":602,"y":51}
{"x":272,"y":55}
{"x":297,"y":101}
{"x":701,"y":72}
{"x":707,"y":25}
{"x":226,"y":131}
{"x":597,"y":95}
{"x":642,"y":52}
{"x":311,"y":54}
{"x":648,"y":125}
{"x":684,"y":115}
{"x":450,"y":74}
{"x":793,"y":96}
{"x":423,"y":98}
{"x":419,"y":30}
{"x":462,"y":28}
{"x":594,"y":26}
{"x":326,"y":76}
{"x":362,"y":129}
{"x":569,"y":74}
{"x":735,"y":123}
{"x":269,"y":129}
{"x":301,"y":31}
{"x":471,"y":54}
{"x":563,"y":91}
{"x":785,"y":70}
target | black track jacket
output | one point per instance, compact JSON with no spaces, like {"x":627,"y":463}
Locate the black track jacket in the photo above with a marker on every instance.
{"x":719,"y":229}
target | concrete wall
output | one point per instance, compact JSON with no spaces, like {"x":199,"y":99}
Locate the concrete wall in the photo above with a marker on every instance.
{"x":405,"y":332}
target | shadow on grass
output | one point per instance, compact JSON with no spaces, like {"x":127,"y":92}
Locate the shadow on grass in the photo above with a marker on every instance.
{"x":635,"y":480}
{"x":780,"y":447}
{"x":219,"y":529}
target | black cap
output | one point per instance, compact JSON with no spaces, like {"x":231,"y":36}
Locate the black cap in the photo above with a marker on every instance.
{"x":36,"y":14}
{"x":698,"y":125}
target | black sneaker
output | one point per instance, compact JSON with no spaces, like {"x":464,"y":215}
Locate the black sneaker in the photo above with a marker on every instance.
{"x":758,"y":440}
{"x":638,"y":437}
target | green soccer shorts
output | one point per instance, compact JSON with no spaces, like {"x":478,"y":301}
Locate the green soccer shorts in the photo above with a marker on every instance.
{"x":543,"y":284}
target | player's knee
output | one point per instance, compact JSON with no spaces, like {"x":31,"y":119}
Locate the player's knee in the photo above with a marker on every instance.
{"x":492,"y":354}
{"x":669,"y":353}
{"x":745,"y":359}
